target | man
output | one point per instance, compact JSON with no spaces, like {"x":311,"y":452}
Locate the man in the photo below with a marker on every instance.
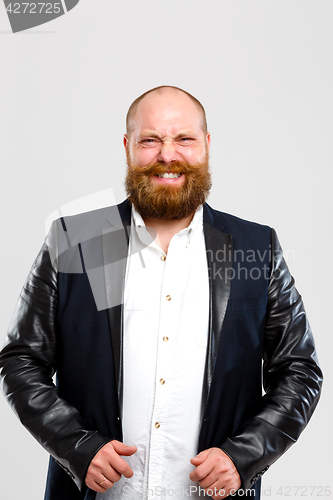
{"x":156,"y":315}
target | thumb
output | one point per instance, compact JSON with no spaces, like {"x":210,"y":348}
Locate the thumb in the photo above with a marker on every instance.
{"x":201,"y":457}
{"x":123,"y":449}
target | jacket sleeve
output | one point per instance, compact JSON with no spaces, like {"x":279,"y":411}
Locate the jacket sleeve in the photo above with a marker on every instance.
{"x":291,"y":378}
{"x":27,"y":364}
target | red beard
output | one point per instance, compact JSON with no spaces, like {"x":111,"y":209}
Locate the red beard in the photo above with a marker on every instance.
{"x":164,"y":201}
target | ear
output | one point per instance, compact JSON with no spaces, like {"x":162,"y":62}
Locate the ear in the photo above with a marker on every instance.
{"x":208,"y":140}
{"x":125,"y":142}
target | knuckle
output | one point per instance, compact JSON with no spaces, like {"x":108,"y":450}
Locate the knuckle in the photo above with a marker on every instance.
{"x":117,"y":477}
{"x":224,"y":467}
{"x":97,"y":463}
{"x":122,"y":469}
{"x":114,"y":477}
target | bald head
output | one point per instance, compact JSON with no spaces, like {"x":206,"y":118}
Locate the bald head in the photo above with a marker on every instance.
{"x":161,"y":96}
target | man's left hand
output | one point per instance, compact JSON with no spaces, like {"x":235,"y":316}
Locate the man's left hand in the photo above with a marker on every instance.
{"x":216,"y":473}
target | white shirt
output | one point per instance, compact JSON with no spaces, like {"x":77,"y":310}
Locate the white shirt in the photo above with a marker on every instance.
{"x":166,"y":310}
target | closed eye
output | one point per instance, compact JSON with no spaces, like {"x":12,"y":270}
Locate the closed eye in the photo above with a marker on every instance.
{"x":186,"y":139}
{"x":149,"y":142}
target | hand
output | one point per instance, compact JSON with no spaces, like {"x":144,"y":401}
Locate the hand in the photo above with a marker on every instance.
{"x":107,"y":467}
{"x":216,"y":473}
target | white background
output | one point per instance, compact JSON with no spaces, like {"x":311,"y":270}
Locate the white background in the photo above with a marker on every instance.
{"x":263,"y":71}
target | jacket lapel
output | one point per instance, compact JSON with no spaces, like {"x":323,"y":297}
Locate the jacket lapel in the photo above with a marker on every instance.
{"x":115,"y":239}
{"x":219,"y":251}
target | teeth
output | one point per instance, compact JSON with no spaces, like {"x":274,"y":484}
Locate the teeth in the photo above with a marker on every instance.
{"x":169,"y":176}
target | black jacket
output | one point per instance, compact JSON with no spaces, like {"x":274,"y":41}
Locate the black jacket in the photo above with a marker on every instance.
{"x":68,"y":321}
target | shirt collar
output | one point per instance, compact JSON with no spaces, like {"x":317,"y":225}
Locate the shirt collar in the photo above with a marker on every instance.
{"x":138,"y":221}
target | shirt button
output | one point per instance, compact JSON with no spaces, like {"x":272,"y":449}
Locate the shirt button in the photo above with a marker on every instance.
{"x":163,"y":258}
{"x":165,"y":339}
{"x":162,"y":381}
{"x":157,"y":425}
{"x":168,"y":297}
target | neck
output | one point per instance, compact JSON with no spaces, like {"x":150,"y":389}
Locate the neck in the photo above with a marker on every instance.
{"x":172,"y":226}
{"x":166,"y":229}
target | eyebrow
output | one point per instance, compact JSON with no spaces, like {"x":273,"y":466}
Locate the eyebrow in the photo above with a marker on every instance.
{"x":150,"y":133}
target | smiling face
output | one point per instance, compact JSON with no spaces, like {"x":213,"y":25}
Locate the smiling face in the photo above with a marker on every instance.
{"x":167,"y":156}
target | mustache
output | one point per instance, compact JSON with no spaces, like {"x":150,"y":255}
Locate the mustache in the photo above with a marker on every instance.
{"x":178,"y":167}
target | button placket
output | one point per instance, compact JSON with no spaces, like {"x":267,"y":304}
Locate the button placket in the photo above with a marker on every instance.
{"x":163,"y":367}
{"x":168,"y":329}
{"x":164,"y":337}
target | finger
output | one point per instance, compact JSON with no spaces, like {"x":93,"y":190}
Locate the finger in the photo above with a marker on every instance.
{"x":216,"y":491}
{"x":219,"y":489}
{"x":123,"y":449}
{"x":111,"y":474}
{"x":105,"y":483}
{"x":130,"y":450}
{"x":200,"y":472}
{"x":95,"y":474}
{"x":119,"y":464}
{"x":200,"y":457}
{"x":96,"y":477}
{"x":210,"y":479}
{"x":96,"y":486}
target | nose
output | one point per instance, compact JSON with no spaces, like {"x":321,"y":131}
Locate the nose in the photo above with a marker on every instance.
{"x":168,"y":152}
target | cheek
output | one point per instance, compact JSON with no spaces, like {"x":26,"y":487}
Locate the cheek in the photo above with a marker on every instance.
{"x":145,"y":156}
{"x":192,"y":156}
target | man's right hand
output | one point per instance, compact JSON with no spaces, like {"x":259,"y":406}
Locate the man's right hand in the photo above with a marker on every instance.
{"x":107,"y":466}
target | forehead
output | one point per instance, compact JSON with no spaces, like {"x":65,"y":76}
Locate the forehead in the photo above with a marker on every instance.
{"x":167,"y":112}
